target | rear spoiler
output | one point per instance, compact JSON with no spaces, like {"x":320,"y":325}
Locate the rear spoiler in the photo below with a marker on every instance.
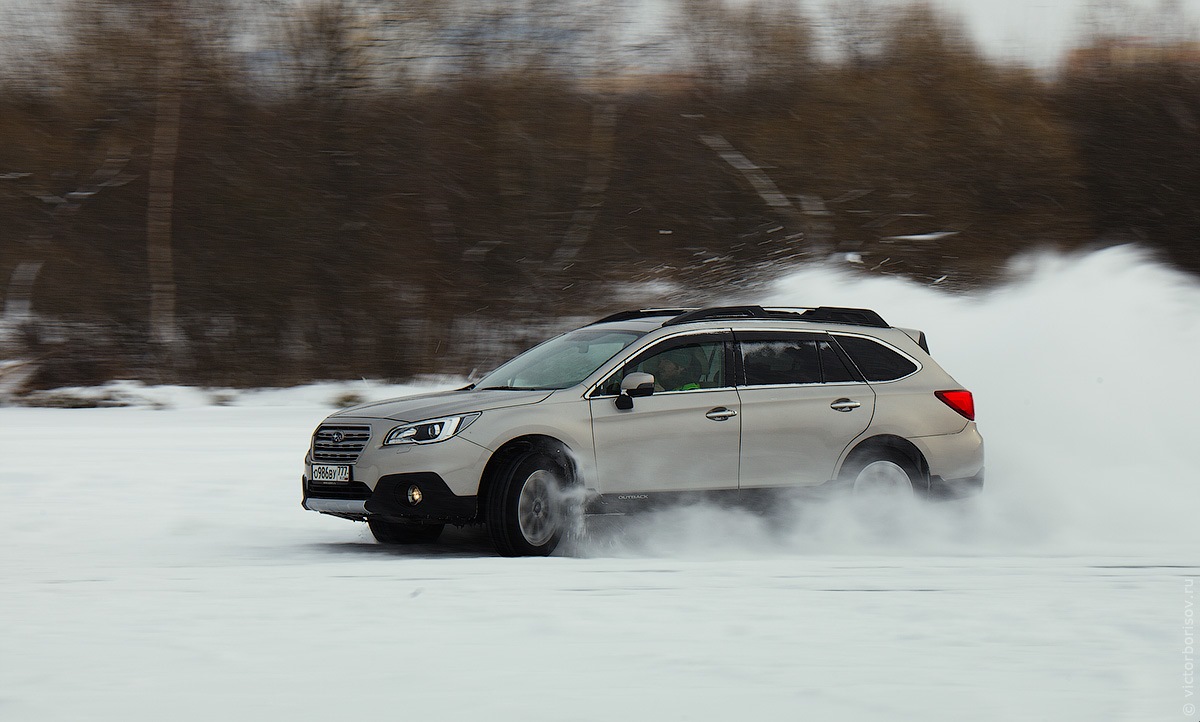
{"x":919,"y":337}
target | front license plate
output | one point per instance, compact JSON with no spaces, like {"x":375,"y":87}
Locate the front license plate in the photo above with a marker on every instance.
{"x":330,"y":474}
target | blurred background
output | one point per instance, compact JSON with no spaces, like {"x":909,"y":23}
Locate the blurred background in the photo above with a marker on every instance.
{"x":269,"y":192}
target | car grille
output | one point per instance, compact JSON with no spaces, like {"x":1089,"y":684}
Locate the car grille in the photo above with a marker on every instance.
{"x":339,"y":444}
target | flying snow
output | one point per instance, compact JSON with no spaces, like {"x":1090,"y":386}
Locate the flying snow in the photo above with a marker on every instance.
{"x":156,"y":562}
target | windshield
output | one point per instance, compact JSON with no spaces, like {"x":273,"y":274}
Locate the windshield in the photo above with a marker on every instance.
{"x":561,"y":362}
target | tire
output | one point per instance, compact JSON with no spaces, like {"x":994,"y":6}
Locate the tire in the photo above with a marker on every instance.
{"x":882,"y":474}
{"x":399,"y":532}
{"x":527,"y":510}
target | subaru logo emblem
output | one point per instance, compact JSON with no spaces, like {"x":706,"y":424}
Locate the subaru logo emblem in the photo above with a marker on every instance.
{"x":338,"y":437}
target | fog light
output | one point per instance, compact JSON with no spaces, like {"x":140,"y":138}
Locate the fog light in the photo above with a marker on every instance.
{"x":414,"y":495}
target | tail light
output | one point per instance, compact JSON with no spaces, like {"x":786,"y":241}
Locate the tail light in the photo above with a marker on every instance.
{"x":960,"y":401}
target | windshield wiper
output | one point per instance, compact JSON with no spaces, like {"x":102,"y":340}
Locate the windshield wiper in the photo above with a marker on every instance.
{"x":511,"y":388}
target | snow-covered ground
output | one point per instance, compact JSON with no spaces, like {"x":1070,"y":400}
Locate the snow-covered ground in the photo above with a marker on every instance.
{"x":155,"y":562}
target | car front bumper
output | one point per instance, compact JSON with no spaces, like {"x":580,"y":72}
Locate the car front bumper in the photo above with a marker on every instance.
{"x":418,"y":497}
{"x":352,"y":508}
{"x":445,"y":475}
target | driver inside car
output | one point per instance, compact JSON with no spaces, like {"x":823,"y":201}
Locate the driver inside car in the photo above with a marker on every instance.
{"x":676,"y":371}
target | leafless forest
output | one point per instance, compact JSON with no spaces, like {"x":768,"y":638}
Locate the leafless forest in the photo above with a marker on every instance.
{"x":240,"y":193}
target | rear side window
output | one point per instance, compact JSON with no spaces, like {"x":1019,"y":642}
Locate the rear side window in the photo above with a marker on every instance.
{"x":833,"y":369}
{"x":876,"y":361}
{"x":781,"y":362}
{"x":772,"y":358}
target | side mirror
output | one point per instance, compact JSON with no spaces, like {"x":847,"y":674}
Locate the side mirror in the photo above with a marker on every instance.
{"x":638,"y":385}
{"x":634,"y":386}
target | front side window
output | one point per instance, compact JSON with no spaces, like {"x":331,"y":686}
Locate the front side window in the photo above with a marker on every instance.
{"x":686,"y":364}
{"x":561,"y":362}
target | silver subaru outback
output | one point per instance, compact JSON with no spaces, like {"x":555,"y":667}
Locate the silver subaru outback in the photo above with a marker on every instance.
{"x":738,"y":404}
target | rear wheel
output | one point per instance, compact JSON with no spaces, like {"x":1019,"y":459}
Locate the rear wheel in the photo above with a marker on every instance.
{"x":882,"y":474}
{"x":527,"y":508}
{"x":399,"y":532}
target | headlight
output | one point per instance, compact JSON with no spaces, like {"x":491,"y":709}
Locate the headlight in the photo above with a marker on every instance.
{"x":429,"y":432}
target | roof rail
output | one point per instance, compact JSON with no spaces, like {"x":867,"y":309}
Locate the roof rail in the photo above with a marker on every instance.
{"x":730,"y":312}
{"x":851,"y":316}
{"x":820,"y":314}
{"x":641,"y":313}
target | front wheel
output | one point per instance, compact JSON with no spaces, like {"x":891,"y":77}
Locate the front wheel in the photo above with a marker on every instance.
{"x":527,"y":507}
{"x":398,"y":532}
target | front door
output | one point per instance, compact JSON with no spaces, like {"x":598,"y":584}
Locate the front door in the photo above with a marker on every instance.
{"x":684,"y":437}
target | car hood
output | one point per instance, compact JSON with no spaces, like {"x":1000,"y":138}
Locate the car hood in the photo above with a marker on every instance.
{"x":442,"y":403}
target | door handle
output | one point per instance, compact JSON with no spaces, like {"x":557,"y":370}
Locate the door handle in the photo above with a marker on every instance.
{"x":721,"y":414}
{"x":844,"y":405}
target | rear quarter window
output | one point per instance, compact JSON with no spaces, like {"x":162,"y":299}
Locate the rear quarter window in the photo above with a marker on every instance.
{"x":876,"y":361}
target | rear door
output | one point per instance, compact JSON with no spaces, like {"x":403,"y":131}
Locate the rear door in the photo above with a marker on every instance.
{"x":803,"y":402}
{"x":685,"y":436}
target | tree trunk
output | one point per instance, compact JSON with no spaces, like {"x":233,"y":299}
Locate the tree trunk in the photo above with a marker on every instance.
{"x":165,"y":336}
{"x":599,"y":170}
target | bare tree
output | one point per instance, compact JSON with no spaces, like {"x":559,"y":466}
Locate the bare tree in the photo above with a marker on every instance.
{"x":859,"y":29}
{"x":165,"y":335}
{"x":18,"y":307}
